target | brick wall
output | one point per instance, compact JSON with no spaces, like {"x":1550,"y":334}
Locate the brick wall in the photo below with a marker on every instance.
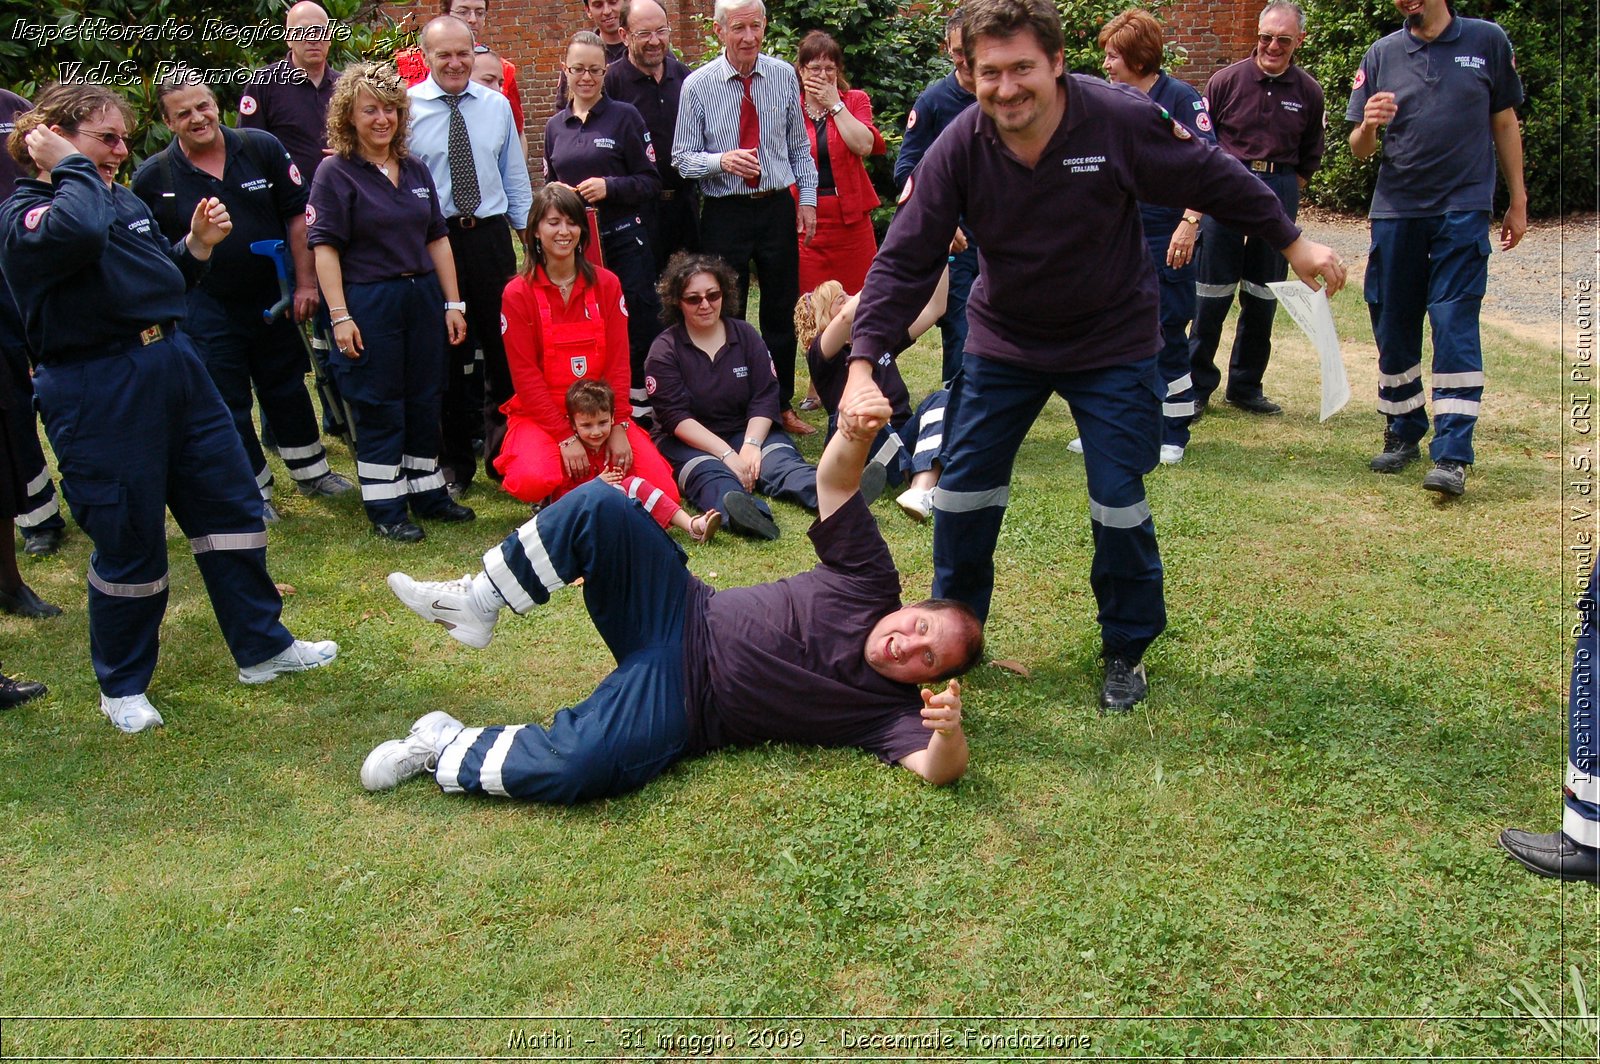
{"x":533,"y":34}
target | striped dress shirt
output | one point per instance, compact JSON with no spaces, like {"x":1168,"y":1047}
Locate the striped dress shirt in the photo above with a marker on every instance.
{"x":708,"y":125}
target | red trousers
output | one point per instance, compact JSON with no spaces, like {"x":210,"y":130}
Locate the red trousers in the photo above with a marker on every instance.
{"x":530,"y":461}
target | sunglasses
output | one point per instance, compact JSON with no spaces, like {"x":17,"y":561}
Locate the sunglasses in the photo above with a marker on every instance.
{"x":694,"y":299}
{"x":1267,"y":40}
{"x":106,"y":137}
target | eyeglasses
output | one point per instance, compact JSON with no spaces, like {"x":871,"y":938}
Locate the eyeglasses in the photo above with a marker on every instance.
{"x":651,"y":35}
{"x":104,"y":136}
{"x":589,"y":72}
{"x":1266,"y":40}
{"x":694,"y":299}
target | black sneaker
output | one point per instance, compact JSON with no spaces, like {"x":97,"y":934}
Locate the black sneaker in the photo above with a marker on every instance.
{"x":1447,"y":477}
{"x":1124,"y":686}
{"x":400,"y":532}
{"x":1397,"y":454}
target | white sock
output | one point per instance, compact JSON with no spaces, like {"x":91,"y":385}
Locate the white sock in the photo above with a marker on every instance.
{"x":486,"y":598}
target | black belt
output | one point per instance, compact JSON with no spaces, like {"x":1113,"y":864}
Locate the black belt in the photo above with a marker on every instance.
{"x":467,"y":221}
{"x":827,"y":191}
{"x":1261,"y":166}
{"x":164,"y":330}
{"x":669,"y":194}
{"x":768,"y":192}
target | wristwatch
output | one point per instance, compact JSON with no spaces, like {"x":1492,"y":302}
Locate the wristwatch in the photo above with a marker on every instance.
{"x":836,"y":108}
{"x":462,"y":307}
{"x":1192,"y":219}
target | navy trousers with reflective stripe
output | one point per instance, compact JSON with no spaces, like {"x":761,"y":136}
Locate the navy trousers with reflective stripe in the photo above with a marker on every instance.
{"x":394,"y":390}
{"x":1177,"y":310}
{"x":1438,"y":267}
{"x":1226,"y":258}
{"x":703,"y":479}
{"x":635,"y":588}
{"x":913,"y":447}
{"x":240,"y":351}
{"x":1118,"y":411}
{"x":41,"y":511}
{"x":135,"y":434}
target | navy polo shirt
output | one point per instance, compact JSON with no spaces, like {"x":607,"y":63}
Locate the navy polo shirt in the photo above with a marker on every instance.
{"x":380,"y":231}
{"x":829,"y":376}
{"x":1438,"y":153}
{"x":260,"y":186}
{"x":935,"y":109}
{"x":282,"y":100}
{"x":1078,"y":293}
{"x":87,"y":265}
{"x":1187,"y":106}
{"x":786,"y":661}
{"x":1276,"y":118}
{"x":610,"y":142}
{"x":657,"y":102}
{"x":722,"y":393}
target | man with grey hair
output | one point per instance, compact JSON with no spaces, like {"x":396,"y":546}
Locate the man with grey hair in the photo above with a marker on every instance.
{"x":1269,"y":115}
{"x":741,"y":133}
{"x":465,"y":135}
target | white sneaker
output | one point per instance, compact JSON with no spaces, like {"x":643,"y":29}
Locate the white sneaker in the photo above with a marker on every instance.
{"x":130,"y":713}
{"x":393,"y":762}
{"x":1076,"y":446}
{"x":296,"y":657}
{"x":269,"y":513}
{"x":1171,"y":454}
{"x":447,"y":603}
{"x":917,"y":503}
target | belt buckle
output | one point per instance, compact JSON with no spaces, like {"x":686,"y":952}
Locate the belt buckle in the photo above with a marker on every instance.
{"x":669,"y":193}
{"x":467,"y":221}
{"x":1260,"y":166}
{"x":150,"y":335}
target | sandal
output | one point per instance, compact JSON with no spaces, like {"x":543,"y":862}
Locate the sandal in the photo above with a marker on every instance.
{"x":709,"y":522}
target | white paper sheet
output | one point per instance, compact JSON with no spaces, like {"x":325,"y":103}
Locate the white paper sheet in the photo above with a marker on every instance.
{"x":1311,"y":312}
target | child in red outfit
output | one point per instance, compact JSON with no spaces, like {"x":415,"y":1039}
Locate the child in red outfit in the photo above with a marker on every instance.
{"x":589,"y":412}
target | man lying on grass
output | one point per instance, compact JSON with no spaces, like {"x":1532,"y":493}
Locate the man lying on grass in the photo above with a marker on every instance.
{"x":828,"y":657}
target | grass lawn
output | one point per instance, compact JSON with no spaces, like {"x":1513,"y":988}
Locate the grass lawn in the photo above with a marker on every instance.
{"x":1288,"y":851}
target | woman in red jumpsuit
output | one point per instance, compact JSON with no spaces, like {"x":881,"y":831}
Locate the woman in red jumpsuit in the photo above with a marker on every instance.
{"x":565,"y":319}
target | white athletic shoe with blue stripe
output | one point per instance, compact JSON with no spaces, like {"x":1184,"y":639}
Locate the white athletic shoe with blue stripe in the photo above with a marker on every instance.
{"x":447,"y":603}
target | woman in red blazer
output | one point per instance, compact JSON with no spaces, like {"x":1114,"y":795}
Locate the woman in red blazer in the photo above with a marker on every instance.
{"x":839,"y":123}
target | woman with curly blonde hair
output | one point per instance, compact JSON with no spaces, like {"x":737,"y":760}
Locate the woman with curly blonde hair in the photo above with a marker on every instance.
{"x":389,"y":284}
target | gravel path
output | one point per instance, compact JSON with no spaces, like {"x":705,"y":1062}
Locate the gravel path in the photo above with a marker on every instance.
{"x":1528,"y":286}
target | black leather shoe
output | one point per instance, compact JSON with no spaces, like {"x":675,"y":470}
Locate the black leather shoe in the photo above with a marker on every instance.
{"x":745,"y":517}
{"x":1554,"y":855}
{"x":451,"y":512}
{"x":400,"y":532}
{"x":1200,"y":408}
{"x":1124,"y":687}
{"x":26,"y":604}
{"x":41,"y":542}
{"x":1255,"y":404}
{"x":16,"y":692}
{"x":1396,"y":455}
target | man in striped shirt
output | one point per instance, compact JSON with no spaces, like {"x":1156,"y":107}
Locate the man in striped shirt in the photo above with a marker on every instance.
{"x":741,"y":134}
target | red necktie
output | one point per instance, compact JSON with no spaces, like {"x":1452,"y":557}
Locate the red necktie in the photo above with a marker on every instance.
{"x":749,"y":124}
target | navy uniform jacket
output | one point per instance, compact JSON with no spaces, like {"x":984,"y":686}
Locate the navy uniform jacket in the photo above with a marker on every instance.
{"x":1064,"y":279}
{"x":935,"y":109}
{"x":87,"y":264}
{"x":613,"y":143}
{"x":262,"y":189}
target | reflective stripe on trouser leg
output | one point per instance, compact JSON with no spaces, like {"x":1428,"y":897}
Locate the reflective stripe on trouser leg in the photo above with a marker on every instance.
{"x":990,"y":410}
{"x":1458,"y":277}
{"x":630,"y":730}
{"x":43,"y":509}
{"x":703,"y":479}
{"x":1219,"y":264}
{"x":1177,"y":309}
{"x":784,"y":474}
{"x":1118,"y":412}
{"x":1396,"y":290}
{"x":634,"y":575}
{"x":1581,"y":817}
{"x":1260,"y":265}
{"x":923,"y":435}
{"x":657,"y":503}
